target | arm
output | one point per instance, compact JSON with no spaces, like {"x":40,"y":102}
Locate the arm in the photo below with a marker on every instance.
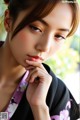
{"x":41,"y":113}
{"x":37,"y":90}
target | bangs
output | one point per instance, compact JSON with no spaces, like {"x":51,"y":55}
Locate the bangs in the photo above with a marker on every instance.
{"x":42,"y":9}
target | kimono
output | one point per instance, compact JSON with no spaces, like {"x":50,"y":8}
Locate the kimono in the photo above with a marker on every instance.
{"x":62,"y":105}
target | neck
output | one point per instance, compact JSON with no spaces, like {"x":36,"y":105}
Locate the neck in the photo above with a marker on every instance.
{"x":10,"y":70}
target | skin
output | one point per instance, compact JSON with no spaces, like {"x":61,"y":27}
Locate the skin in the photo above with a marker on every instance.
{"x":36,"y":39}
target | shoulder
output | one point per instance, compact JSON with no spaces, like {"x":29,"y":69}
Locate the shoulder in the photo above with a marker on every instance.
{"x":55,"y":80}
{"x":58,"y":89}
{"x":59,"y":98}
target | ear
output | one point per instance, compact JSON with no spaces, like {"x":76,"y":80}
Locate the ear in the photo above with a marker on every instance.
{"x":7,"y":21}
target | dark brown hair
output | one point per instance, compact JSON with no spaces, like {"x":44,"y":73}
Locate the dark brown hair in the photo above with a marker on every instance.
{"x":41,"y":8}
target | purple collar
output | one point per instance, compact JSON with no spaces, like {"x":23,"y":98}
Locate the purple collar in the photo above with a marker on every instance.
{"x":16,"y":98}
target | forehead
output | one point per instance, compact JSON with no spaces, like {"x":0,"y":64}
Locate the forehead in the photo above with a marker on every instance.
{"x":61,"y":16}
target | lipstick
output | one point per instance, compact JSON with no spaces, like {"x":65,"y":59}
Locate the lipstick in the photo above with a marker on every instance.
{"x":35,"y":58}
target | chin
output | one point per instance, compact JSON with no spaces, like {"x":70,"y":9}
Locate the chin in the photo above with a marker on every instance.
{"x":22,"y":63}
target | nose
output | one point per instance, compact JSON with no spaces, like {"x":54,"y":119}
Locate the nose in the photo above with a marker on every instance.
{"x":44,"y":43}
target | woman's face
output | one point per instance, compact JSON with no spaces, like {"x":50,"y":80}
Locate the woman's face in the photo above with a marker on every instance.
{"x":41,"y":39}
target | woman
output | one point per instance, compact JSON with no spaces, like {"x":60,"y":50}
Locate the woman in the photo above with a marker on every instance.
{"x":35,"y":31}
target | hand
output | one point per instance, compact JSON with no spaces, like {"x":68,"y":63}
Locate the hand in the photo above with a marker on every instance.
{"x":37,"y":89}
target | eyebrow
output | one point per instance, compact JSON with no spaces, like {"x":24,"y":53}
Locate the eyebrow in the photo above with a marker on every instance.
{"x":64,"y":29}
{"x":43,"y":22}
{"x":46,"y":24}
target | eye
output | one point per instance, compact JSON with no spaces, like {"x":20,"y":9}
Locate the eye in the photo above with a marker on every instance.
{"x":34,"y":28}
{"x":59,"y":37}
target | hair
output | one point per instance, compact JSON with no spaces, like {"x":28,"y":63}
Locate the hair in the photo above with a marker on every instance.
{"x":39,"y":9}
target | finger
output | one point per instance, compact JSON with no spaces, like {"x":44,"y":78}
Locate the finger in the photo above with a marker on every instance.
{"x":36,"y":74}
{"x":33,"y":76}
{"x":31,"y":71}
{"x":29,"y":68}
{"x":35,"y":64}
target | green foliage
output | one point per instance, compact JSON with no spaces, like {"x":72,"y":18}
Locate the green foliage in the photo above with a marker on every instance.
{"x":79,"y":1}
{"x":2,"y":9}
{"x":64,"y":62}
{"x":75,"y":44}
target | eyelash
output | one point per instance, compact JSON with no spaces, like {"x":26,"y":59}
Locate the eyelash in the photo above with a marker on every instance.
{"x":60,"y":37}
{"x":34,"y":28}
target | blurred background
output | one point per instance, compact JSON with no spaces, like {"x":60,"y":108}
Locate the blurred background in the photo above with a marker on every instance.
{"x":66,"y":63}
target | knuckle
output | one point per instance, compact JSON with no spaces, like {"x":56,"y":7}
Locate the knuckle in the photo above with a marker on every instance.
{"x":40,"y":65}
{"x":50,"y":78}
{"x":37,"y":69}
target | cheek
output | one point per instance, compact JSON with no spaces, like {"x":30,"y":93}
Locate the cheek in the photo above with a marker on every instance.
{"x":23,"y":38}
{"x":21,"y":43}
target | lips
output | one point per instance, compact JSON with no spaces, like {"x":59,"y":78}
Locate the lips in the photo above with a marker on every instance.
{"x":35,"y":58}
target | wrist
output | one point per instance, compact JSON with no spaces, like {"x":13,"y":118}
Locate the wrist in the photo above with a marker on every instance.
{"x":41,"y":112}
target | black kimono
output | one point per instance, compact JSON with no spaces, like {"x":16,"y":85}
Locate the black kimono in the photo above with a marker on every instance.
{"x":59,"y":100}
{"x":61,"y":103}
